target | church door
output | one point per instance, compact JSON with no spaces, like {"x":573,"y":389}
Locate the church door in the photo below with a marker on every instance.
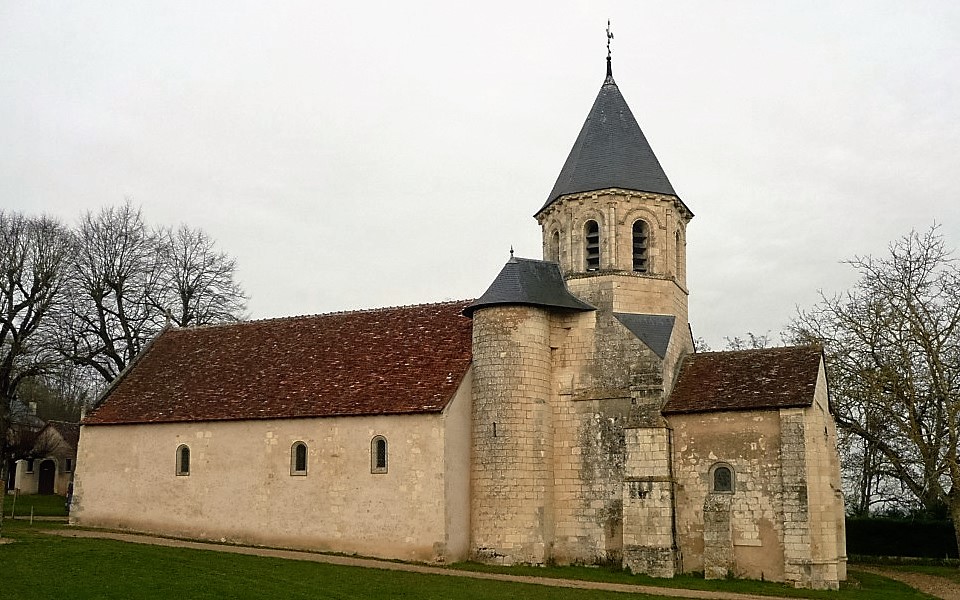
{"x":48,"y":470}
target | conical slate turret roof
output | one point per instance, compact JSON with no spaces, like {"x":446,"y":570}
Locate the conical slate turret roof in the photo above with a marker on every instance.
{"x":529,"y":282}
{"x":611,"y":151}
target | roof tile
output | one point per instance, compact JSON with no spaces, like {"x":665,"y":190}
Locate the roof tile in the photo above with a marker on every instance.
{"x":769,"y":378}
{"x":400,"y":360}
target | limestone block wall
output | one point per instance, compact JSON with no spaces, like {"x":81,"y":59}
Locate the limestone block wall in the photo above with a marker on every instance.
{"x":595,"y":362}
{"x":825,"y":508}
{"x":648,"y":520}
{"x":615,"y":211}
{"x":240,"y":487}
{"x":512,"y":515}
{"x":587,"y":433}
{"x":749,"y":443}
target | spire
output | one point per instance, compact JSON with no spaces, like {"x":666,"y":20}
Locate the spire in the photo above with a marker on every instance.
{"x":611,"y":150}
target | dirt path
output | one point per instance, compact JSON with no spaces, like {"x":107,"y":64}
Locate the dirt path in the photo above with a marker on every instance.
{"x":941,"y":587}
{"x":415,"y":568}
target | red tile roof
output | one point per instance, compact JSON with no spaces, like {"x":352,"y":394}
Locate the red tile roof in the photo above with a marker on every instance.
{"x":401,"y":360}
{"x":769,"y":378}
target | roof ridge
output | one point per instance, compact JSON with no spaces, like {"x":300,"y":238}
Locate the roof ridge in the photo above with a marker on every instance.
{"x":768,"y":349}
{"x":326,"y":314}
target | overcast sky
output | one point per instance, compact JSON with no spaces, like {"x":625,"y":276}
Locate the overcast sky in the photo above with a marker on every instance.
{"x":355,"y":155}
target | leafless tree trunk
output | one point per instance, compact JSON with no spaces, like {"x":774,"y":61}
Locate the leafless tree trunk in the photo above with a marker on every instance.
{"x":126,"y":278}
{"x":33,"y":255}
{"x":893,"y":344}
{"x":114,"y":272}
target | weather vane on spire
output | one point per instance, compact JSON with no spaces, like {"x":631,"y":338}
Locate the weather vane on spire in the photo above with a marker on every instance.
{"x":609,"y":37}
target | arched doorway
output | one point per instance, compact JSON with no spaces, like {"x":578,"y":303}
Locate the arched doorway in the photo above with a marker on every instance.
{"x":48,"y":472}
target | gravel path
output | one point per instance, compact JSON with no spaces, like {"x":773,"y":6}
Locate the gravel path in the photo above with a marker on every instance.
{"x":941,"y":587}
{"x":415,"y":568}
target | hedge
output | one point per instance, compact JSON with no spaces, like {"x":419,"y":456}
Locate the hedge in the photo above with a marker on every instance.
{"x":901,"y":537}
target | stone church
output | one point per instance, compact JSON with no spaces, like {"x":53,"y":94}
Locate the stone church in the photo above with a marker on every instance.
{"x":564,"y":416}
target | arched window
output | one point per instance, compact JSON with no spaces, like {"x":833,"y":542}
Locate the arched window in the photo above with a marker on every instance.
{"x":681,"y":266}
{"x":183,"y":460}
{"x":591,"y":233}
{"x":298,"y":459}
{"x":378,"y":455}
{"x":555,"y":246}
{"x":721,"y":478}
{"x":641,"y":244}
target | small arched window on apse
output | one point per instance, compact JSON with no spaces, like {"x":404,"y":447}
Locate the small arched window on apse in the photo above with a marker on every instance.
{"x":378,"y":454}
{"x":555,"y":246}
{"x":298,"y":459}
{"x":641,"y":247}
{"x":722,"y":478}
{"x":183,"y":459}
{"x":591,"y":238}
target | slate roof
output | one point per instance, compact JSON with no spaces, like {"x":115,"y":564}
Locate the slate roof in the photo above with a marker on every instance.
{"x":529,"y":282}
{"x":652,"y":330}
{"x":401,"y":360}
{"x":610,"y":152}
{"x":769,"y":378}
{"x":70,"y":432}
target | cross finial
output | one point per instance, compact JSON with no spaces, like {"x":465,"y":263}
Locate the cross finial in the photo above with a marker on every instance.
{"x":511,"y":250}
{"x":609,"y":37}
{"x":609,"y":65}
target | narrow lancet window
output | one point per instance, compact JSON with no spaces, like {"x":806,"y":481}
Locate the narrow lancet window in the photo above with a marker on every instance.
{"x":592,"y":247}
{"x":641,"y":244}
{"x":555,"y":247}
{"x":183,"y":460}
{"x":378,"y":455}
{"x":298,"y":459}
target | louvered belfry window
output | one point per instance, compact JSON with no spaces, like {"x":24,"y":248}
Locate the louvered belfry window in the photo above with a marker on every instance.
{"x":592,"y":238}
{"x":641,"y":242}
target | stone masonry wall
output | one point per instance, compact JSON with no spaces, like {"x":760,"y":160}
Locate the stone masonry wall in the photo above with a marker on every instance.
{"x":749,"y":443}
{"x":512,"y":471}
{"x":588,"y":439}
{"x":240,"y":487}
{"x":825,"y":509}
{"x":615,"y":211}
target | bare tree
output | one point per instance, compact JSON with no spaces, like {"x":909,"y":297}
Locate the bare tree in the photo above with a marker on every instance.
{"x":33,"y":254}
{"x":114,"y":272}
{"x":126,"y":279}
{"x":196,"y":281}
{"x":753,"y":341}
{"x":893,"y":346}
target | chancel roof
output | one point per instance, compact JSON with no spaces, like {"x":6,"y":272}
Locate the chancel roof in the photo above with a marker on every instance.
{"x":769,"y":378}
{"x":610,"y":152}
{"x":402,"y":360}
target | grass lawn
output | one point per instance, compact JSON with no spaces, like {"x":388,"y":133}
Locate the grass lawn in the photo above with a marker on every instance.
{"x":951,"y":573}
{"x":43,"y":506}
{"x":870,"y":586}
{"x":40,"y":566}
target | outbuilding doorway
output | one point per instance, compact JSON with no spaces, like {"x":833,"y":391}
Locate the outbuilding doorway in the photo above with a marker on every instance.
{"x":48,"y":471}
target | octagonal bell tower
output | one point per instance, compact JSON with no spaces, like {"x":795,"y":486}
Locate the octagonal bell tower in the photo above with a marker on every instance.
{"x":613,"y":221}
